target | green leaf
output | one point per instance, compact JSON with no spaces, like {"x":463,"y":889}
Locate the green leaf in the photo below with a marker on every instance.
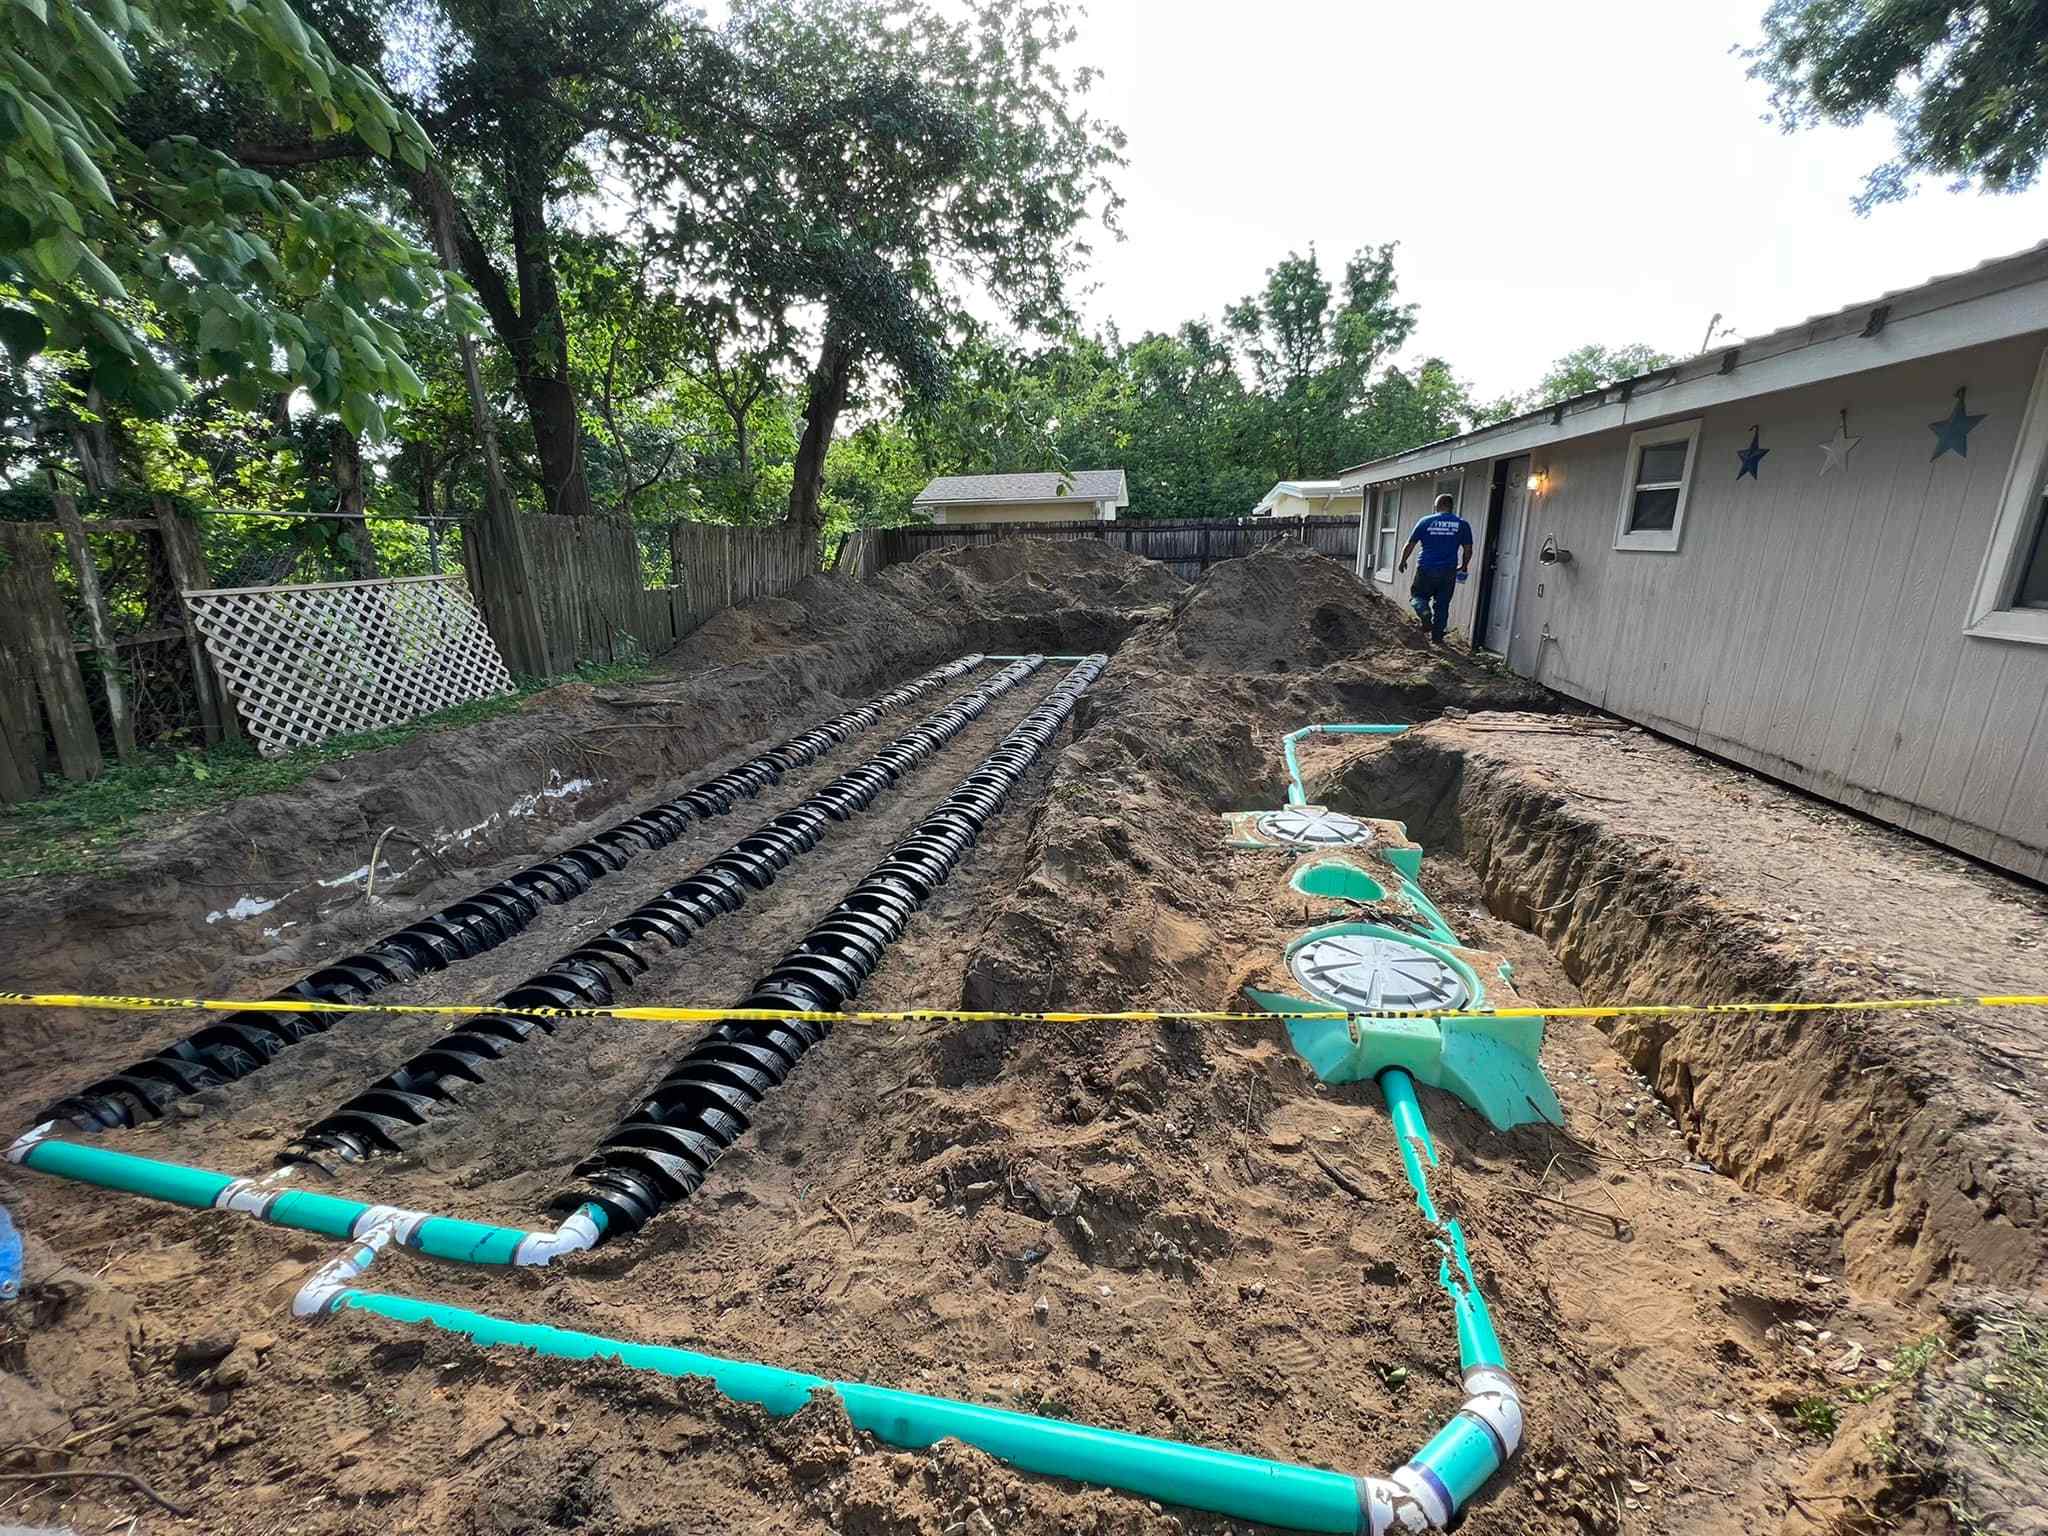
{"x":374,"y":134}
{"x":57,"y":255}
{"x":85,"y":173}
{"x":99,"y":277}
{"x":218,"y":332}
{"x":38,"y":126}
{"x":36,"y":9}
{"x":14,"y":230}
{"x":22,"y":334}
{"x":112,"y":330}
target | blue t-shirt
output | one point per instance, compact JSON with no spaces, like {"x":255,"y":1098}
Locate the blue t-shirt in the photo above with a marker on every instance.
{"x":1441,"y":535}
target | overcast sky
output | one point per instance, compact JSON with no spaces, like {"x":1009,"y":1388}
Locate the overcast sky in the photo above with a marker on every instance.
{"x":1584,"y":170}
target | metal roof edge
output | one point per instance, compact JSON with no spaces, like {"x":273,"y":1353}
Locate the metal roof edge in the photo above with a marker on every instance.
{"x":1987,"y":302}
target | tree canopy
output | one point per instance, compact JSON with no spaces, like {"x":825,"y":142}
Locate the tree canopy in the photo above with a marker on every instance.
{"x":1964,"y":83}
{"x":169,"y":260}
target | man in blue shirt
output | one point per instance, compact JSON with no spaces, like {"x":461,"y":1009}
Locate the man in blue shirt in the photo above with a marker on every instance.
{"x":1446,"y":541}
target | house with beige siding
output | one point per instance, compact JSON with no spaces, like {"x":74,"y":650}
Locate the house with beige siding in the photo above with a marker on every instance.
{"x":1049,"y":496}
{"x":1818,"y":552}
{"x":1309,"y":498}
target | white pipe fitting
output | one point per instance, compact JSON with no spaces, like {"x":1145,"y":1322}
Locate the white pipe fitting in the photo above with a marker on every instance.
{"x":318,"y":1294}
{"x":19,"y":1149}
{"x":1411,"y":1501}
{"x":576,"y":1235}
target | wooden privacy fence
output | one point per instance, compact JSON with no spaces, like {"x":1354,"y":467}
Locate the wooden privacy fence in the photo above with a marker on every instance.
{"x":1189,"y":545}
{"x":594,"y":605}
{"x":717,"y":566}
{"x":108,"y":659}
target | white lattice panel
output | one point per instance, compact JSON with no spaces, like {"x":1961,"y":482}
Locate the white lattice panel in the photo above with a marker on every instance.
{"x":309,"y":662}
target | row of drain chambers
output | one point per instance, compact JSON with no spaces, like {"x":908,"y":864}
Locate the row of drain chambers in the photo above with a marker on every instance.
{"x":594,"y":973}
{"x":663,"y":1150}
{"x":240,"y":1043}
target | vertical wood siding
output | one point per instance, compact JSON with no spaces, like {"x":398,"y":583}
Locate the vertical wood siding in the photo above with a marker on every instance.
{"x":1812,"y":627}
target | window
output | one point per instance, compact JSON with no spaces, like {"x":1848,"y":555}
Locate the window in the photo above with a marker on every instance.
{"x":1653,"y":492}
{"x":2011,"y":602}
{"x":1386,"y":539}
{"x":2033,"y":589}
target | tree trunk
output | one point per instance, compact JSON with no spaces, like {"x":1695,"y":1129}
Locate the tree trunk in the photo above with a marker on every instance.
{"x":350,"y":502}
{"x":93,"y":443}
{"x":508,"y":598}
{"x":830,"y":381}
{"x":533,"y":330}
{"x":541,"y":350}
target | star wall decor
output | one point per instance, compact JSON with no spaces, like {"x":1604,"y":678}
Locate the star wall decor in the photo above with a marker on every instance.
{"x":1752,"y":456}
{"x":1839,"y":447}
{"x":1954,"y":433}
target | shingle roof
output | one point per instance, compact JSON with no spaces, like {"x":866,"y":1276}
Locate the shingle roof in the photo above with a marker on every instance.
{"x":1045,"y":485}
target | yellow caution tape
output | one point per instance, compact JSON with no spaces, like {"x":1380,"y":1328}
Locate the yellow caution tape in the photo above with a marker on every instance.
{"x":662,"y":1013}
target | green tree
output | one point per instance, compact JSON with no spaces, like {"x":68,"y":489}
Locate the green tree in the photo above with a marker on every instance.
{"x":256,"y":284}
{"x":1313,"y":350}
{"x":894,"y":158}
{"x":1580,"y":372}
{"x":1964,"y":82}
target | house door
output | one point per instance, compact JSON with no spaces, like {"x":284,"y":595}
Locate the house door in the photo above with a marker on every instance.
{"x":1504,"y":555}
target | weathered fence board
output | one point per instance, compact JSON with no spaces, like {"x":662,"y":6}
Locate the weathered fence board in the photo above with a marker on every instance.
{"x":35,"y":644}
{"x":1189,"y":545}
{"x":717,"y":566}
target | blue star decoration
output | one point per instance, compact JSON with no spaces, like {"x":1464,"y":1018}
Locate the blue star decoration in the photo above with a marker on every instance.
{"x":1752,"y":456}
{"x":1955,"y":432}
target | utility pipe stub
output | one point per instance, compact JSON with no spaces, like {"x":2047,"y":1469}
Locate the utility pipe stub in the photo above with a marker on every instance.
{"x":1366,"y":972}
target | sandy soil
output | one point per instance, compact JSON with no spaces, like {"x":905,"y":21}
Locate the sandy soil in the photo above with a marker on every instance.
{"x":1129,"y":1225}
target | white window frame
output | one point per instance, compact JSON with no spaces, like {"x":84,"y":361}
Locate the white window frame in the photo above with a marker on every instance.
{"x":1994,"y":610}
{"x":1386,"y":515}
{"x":1663,"y":541}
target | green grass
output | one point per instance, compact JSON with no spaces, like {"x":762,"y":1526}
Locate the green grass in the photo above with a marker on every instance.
{"x":76,"y":828}
{"x":2008,"y":1413}
{"x":1815,"y":1416}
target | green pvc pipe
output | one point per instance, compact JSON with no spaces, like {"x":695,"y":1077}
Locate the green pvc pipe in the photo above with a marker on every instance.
{"x":307,"y":1210}
{"x":1411,"y":1136}
{"x":1242,"y":1487}
{"x":1461,"y":1456}
{"x":302,"y":1210}
{"x":1296,"y":795}
{"x":196,"y":1187}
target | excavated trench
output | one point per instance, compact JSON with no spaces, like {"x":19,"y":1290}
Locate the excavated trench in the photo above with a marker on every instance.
{"x":1843,"y":1114}
{"x":1144,"y":1225}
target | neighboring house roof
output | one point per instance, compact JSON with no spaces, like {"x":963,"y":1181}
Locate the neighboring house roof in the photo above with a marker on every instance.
{"x":1304,"y":490}
{"x":1045,"y":485}
{"x":1996,"y":299}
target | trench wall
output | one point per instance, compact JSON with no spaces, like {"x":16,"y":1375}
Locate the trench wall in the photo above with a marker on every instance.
{"x":1933,"y":1179}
